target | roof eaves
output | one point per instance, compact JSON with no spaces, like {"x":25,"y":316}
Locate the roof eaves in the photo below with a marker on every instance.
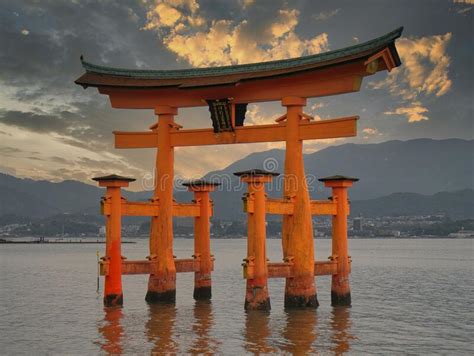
{"x":380,"y":42}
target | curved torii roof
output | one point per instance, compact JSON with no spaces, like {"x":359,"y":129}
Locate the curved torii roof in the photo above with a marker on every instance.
{"x":136,"y":88}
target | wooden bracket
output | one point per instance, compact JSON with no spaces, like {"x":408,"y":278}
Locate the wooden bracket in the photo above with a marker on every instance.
{"x":151,"y":208}
{"x":145,"y":266}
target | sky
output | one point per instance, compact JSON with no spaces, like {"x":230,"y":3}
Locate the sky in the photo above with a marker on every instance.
{"x":52,"y":129}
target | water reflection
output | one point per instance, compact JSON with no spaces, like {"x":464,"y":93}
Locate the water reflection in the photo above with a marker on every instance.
{"x":257,"y":332}
{"x":160,"y":328}
{"x":299,"y":332}
{"x":203,"y":321}
{"x":341,"y":330}
{"x":112,"y":331}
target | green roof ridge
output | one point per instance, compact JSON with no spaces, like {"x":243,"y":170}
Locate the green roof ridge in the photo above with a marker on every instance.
{"x":245,"y":68}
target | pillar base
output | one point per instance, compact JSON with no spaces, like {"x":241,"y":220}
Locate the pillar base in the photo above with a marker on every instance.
{"x":340,"y":299}
{"x":202,"y":293}
{"x":258,"y":305}
{"x":257,"y":298}
{"x":161,"y":289}
{"x":301,"y":301}
{"x":113,"y":300}
{"x":300,"y":292}
{"x":168,"y":297}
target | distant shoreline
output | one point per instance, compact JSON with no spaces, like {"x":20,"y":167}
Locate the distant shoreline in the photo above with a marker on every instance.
{"x":89,"y":241}
{"x":47,"y":242}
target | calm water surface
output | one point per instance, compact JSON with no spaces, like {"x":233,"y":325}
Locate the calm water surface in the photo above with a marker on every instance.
{"x":409,"y":296}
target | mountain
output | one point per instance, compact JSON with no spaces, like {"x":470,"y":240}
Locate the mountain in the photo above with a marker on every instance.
{"x":457,"y":205}
{"x":39,"y":199}
{"x":422,"y":166}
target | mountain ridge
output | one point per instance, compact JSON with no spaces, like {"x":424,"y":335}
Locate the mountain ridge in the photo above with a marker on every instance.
{"x":421,"y":166}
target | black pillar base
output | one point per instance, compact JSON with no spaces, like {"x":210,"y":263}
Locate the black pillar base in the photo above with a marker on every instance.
{"x":202,"y":293}
{"x":168,"y":297}
{"x":301,"y":301}
{"x":262,"y":305}
{"x":340,"y":299}
{"x":113,"y":300}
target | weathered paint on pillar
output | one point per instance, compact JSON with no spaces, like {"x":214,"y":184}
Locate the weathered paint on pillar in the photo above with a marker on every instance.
{"x":202,"y":238}
{"x":297,"y":229}
{"x":257,"y":297}
{"x":340,"y":287}
{"x":162,"y":281}
{"x":113,"y":295}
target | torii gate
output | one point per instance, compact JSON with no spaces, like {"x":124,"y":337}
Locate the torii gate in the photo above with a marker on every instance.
{"x":227,"y":91}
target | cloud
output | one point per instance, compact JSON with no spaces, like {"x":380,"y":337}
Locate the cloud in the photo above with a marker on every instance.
{"x":314,"y":108}
{"x":247,"y":3}
{"x":424,"y":73}
{"x":465,"y":10}
{"x":286,"y":22}
{"x":223,"y":41}
{"x":424,"y":68}
{"x":167,"y":13}
{"x":370,"y":131}
{"x":38,"y":99}
{"x":414,"y":113}
{"x":463,"y":6}
{"x":33,"y":122}
{"x":256,"y":116}
{"x":311,"y":146}
{"x":43,"y":148}
{"x":326,"y":15}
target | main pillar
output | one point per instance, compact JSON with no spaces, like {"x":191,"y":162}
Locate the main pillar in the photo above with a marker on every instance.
{"x":297,"y":229}
{"x":162,"y":281}
{"x":202,"y":238}
{"x":256,"y":297}
{"x":340,"y":288}
{"x":113,"y":295}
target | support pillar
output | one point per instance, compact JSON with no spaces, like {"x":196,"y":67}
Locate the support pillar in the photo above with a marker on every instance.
{"x":257,"y":297}
{"x":162,"y":281}
{"x":202,"y":238}
{"x":297,"y":229}
{"x":340,"y":288}
{"x":113,"y":295}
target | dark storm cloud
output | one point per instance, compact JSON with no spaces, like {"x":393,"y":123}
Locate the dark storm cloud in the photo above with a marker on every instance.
{"x":257,"y":17}
{"x":60,"y":160}
{"x":60,"y":31}
{"x":41,"y":65}
{"x":8,"y":151}
{"x":33,"y":122}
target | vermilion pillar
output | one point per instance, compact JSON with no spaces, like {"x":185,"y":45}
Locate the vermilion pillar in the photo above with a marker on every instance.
{"x":202,"y":237}
{"x":162,"y":281}
{"x":340,"y":288}
{"x":257,"y":297}
{"x":113,"y":295}
{"x":297,"y":229}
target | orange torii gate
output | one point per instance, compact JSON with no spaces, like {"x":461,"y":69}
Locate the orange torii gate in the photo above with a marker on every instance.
{"x":227,"y":91}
